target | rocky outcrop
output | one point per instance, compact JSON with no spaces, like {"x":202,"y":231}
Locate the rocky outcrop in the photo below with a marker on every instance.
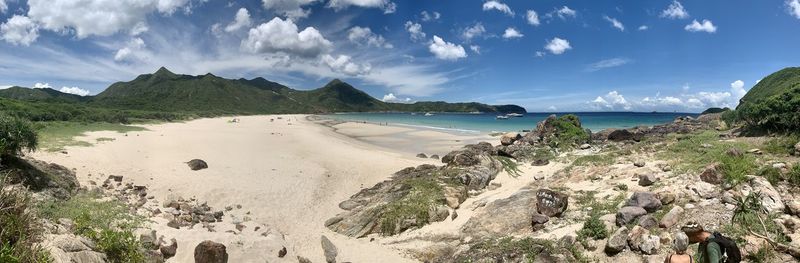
{"x":49,"y":180}
{"x":210,"y":252}
{"x":504,"y":216}
{"x":67,"y":248}
{"x":509,"y":138}
{"x":680,"y":125}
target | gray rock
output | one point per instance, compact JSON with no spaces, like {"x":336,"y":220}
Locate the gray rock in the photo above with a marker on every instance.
{"x":509,"y":138}
{"x":538,"y":221}
{"x":770,"y":198}
{"x":636,"y":237}
{"x":503,"y":217}
{"x":650,"y":244}
{"x":639,"y":163}
{"x":585,"y":146}
{"x":540,"y":162}
{"x":647,"y":179}
{"x":712,"y":174}
{"x":282,"y":252}
{"x":210,"y":252}
{"x":627,"y":214}
{"x":422,"y":155}
{"x":666,"y":198}
{"x":302,"y":260}
{"x":88,"y":256}
{"x":329,"y":249}
{"x":797,"y":149}
{"x":648,"y":222}
{"x":69,"y":243}
{"x":435,"y":156}
{"x":672,"y":217}
{"x":703,"y":189}
{"x":645,"y":200}
{"x":551,"y":203}
{"x":149,"y":240}
{"x":617,"y":242}
{"x":169,"y":251}
{"x":197,"y":164}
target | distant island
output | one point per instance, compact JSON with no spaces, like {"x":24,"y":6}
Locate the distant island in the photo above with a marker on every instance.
{"x":166,"y":95}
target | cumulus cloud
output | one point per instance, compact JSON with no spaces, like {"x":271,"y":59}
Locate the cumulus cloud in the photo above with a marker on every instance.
{"x":74,"y":90}
{"x":392,"y":98}
{"x":705,"y":26}
{"x":292,"y":9}
{"x":643,"y":28}
{"x":363,"y":36}
{"x":473,"y":31}
{"x":425,"y":16}
{"x":496,"y":5}
{"x":282,"y":36}
{"x":82,"y":17}
{"x":512,"y":33}
{"x":475,"y":48}
{"x":675,"y":11}
{"x":387,"y":6}
{"x":557,"y":46}
{"x":344,"y":64}
{"x":564,"y":12}
{"x":611,"y":101}
{"x":242,"y":20}
{"x":3,"y":6}
{"x":793,"y":7}
{"x":42,"y":86}
{"x":737,"y":90}
{"x":446,"y":50}
{"x":532,"y":17}
{"x":415,"y":31}
{"x":19,"y":30}
{"x":134,"y":50}
{"x":615,"y":23}
{"x":139,"y":28}
{"x":607,"y":63}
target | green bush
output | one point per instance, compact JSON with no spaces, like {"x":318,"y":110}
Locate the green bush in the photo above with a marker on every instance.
{"x":781,"y":144}
{"x":593,"y":228}
{"x":16,"y":135}
{"x":772,"y":174}
{"x":569,"y":132}
{"x":20,"y":231}
{"x":777,"y":113}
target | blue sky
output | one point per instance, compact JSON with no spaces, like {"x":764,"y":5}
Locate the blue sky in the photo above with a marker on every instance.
{"x":543,"y":55}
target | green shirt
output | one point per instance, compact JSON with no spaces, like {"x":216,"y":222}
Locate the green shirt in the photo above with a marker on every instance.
{"x":709,"y":252}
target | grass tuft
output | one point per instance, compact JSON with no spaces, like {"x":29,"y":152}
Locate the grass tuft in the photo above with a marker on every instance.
{"x":691,"y":153}
{"x":19,"y":228}
{"x":510,"y":166}
{"x":425,"y":194}
{"x":57,"y":135}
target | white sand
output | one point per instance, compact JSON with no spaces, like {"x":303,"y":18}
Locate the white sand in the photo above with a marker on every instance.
{"x":289,"y":174}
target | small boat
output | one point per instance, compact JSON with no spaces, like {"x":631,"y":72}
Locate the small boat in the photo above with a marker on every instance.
{"x":428,"y":114}
{"x":514,"y":115}
{"x":413,"y":113}
{"x":475,"y":112}
{"x":501,"y":117}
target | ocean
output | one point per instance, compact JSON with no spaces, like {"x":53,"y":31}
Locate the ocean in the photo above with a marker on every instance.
{"x":487,"y":123}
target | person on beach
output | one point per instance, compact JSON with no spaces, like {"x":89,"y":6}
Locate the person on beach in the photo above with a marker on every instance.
{"x":713,"y":247}
{"x":680,"y":244}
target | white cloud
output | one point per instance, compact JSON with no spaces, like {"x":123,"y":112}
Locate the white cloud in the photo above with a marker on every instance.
{"x":564,"y":12}
{"x":392,"y":98}
{"x":3,"y":6}
{"x":558,"y":46}
{"x":675,"y":11}
{"x":608,"y":63}
{"x":42,"y":86}
{"x":446,"y":50}
{"x":19,"y":30}
{"x":82,"y":16}
{"x":74,"y":90}
{"x":363,"y":36}
{"x":475,"y":48}
{"x":292,"y":9}
{"x":737,"y":89}
{"x":5,"y":86}
{"x":429,"y":16}
{"x":345,"y":65}
{"x":473,"y":31}
{"x":282,"y":36}
{"x":415,"y":30}
{"x":139,"y":28}
{"x":512,"y":33}
{"x":705,"y":26}
{"x":496,"y":5}
{"x":552,"y":108}
{"x":643,"y":28}
{"x":387,"y":6}
{"x":532,"y":17}
{"x":615,"y":23}
{"x":242,"y":20}
{"x":611,"y":101}
{"x":793,"y":7}
{"x":134,"y":50}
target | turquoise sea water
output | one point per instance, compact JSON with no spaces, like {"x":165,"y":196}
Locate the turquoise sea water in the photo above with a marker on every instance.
{"x":485,"y":123}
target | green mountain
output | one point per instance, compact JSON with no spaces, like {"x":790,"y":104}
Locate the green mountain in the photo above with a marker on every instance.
{"x":774,"y":84}
{"x":164,"y":91}
{"x":45,"y":95}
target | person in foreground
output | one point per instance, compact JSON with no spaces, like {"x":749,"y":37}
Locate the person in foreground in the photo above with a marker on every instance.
{"x":680,"y":244}
{"x":713,"y":247}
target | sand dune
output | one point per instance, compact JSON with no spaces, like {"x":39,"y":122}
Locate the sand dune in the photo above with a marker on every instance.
{"x":289,"y":174}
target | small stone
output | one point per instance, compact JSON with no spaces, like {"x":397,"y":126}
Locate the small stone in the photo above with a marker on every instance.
{"x":197,"y":164}
{"x":639,"y":163}
{"x":540,"y":162}
{"x":755,"y":151}
{"x":779,"y":165}
{"x":454,"y":215}
{"x":171,"y":250}
{"x":282,"y":252}
{"x":174,"y":224}
{"x":645,"y":200}
{"x":648,"y":222}
{"x":627,"y":214}
{"x":210,"y":252}
{"x":647,"y":179}
{"x":666,"y":198}
{"x":617,"y":242}
{"x":672,"y":217}
{"x":422,"y":155}
{"x":115,"y":178}
{"x":329,"y":250}
{"x":585,"y":146}
{"x":538,"y":221}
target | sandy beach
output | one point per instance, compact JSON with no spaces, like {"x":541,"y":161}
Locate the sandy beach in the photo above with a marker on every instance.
{"x":288,"y":175}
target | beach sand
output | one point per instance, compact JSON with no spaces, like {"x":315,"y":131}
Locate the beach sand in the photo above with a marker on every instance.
{"x":288,"y":175}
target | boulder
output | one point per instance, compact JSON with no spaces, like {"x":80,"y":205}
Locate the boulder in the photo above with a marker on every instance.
{"x":210,"y":252}
{"x":197,"y":164}
{"x":617,"y":242}
{"x":435,"y":157}
{"x":169,"y":251}
{"x":649,"y":244}
{"x":647,"y":179}
{"x":422,"y":155}
{"x":648,"y":222}
{"x":538,"y":221}
{"x":639,"y":163}
{"x":509,"y":138}
{"x":624,"y":135}
{"x":551,"y":203}
{"x":627,"y":214}
{"x":645,"y":200}
{"x":672,"y":217}
{"x":329,"y":249}
{"x":637,"y":236}
{"x":503,"y":217}
{"x":703,"y":189}
{"x":770,"y":198}
{"x":712,"y":174}
{"x":666,"y":198}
